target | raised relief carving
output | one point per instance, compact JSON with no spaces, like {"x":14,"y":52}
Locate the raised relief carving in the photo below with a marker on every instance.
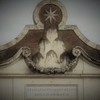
{"x":50,"y":15}
{"x":52,"y":56}
{"x":50,"y":46}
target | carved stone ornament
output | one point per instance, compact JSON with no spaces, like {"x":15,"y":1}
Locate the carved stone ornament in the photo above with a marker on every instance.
{"x":50,"y":46}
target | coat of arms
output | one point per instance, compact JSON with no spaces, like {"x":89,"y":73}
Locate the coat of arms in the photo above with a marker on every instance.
{"x":50,"y":46}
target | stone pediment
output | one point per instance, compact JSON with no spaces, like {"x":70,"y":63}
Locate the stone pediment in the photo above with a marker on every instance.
{"x":50,"y":46}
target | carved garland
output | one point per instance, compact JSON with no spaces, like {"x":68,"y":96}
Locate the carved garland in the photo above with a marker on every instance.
{"x":71,"y":64}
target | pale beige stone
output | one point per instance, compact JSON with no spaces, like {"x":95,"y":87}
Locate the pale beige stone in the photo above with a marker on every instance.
{"x":18,"y":67}
{"x":98,"y":47}
{"x":91,"y":44}
{"x":41,"y":4}
{"x":6,"y":91}
{"x":78,"y":69}
{"x":91,"y":89}
{"x":19,"y":37}
{"x":19,"y":85}
{"x":81,"y":36}
{"x":90,"y":68}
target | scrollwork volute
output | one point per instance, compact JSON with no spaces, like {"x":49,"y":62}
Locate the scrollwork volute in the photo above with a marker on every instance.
{"x":76,"y":52}
{"x":26,"y":51}
{"x":51,"y":58}
{"x":48,"y":46}
{"x":35,"y":63}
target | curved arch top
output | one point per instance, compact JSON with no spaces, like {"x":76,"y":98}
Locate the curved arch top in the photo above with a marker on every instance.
{"x":36,"y":17}
{"x":67,"y":38}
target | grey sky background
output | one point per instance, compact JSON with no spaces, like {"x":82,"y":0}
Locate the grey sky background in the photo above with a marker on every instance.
{"x":15,"y":14}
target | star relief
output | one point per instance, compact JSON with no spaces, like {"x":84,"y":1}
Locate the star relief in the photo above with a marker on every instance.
{"x":51,"y":15}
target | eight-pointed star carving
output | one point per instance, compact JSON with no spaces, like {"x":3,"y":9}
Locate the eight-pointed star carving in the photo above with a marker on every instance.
{"x":51,"y":15}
